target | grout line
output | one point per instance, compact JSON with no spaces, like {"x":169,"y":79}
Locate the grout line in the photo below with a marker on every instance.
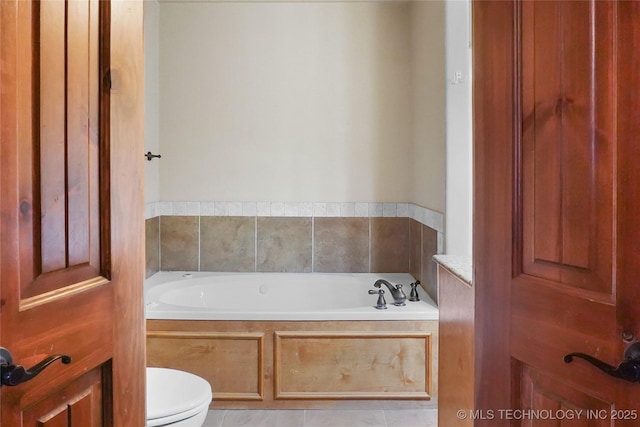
{"x":255,"y":243}
{"x":313,"y":244}
{"x":369,"y":269}
{"x":422,"y":273}
{"x":159,"y":243}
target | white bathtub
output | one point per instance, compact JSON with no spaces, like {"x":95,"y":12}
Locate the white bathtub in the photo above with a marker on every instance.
{"x":278,"y":297}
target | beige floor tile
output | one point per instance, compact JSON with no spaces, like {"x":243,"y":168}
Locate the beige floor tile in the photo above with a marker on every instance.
{"x":412,"y":418}
{"x":322,"y":418}
{"x":214,"y":418}
{"x":283,"y":418}
{"x":344,"y":418}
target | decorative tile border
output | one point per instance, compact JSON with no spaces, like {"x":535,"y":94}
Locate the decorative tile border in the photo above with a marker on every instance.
{"x":424,"y":216}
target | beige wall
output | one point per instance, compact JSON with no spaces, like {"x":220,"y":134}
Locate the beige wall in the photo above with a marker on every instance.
{"x":459,"y":206}
{"x":306,"y":102}
{"x":429,"y":166}
{"x":286,"y":101}
{"x":152,"y":98}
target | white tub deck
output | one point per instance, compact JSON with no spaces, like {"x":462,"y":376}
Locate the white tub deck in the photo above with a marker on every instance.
{"x":278,"y":297}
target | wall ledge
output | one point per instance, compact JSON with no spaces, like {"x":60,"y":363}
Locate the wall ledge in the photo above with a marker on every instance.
{"x":459,"y":265}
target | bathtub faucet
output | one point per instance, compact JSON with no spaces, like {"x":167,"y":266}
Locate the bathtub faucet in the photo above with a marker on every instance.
{"x":398,"y":295}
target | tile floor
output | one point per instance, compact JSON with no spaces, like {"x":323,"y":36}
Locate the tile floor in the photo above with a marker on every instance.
{"x":322,"y":418}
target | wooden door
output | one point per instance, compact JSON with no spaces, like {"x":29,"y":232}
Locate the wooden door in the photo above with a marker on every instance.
{"x":71,"y":204}
{"x":557,"y":220}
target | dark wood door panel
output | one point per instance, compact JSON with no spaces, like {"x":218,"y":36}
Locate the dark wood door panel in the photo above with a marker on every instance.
{"x":563,"y":292}
{"x":568,"y":143}
{"x":556,"y":230}
{"x":66,"y":261}
{"x":573,"y":291}
{"x":57,"y":298}
{"x":78,"y":404}
{"x":546,"y":326}
{"x":86,"y":335}
{"x":550,"y":402}
{"x":60,"y":164}
{"x":627,"y":196}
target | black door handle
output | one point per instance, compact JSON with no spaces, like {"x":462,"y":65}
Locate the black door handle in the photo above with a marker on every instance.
{"x":628,"y":369}
{"x":150,"y":155}
{"x":12,"y":375}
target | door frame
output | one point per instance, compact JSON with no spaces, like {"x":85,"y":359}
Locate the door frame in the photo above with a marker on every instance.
{"x":126,"y":139}
{"x":494,"y":86}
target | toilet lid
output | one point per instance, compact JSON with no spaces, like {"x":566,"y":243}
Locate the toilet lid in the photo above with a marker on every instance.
{"x":171,"y":392}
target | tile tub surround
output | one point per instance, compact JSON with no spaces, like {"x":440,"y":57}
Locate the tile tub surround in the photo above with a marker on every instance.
{"x":179,"y":243}
{"x":152,"y":246}
{"x":284,"y":244}
{"x":425,"y":216}
{"x":294,"y":237}
{"x":227,"y":243}
{"x":341,"y":244}
{"x":424,"y":243}
{"x":390,"y":244}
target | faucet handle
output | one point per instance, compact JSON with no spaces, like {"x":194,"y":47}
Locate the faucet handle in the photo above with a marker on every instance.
{"x":399,"y":296}
{"x":381,"y":304}
{"x":413,"y":296}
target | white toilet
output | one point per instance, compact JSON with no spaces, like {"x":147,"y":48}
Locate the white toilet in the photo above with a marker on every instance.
{"x":176,"y":398}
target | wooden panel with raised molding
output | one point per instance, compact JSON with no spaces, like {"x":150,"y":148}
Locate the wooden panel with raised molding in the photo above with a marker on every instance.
{"x":568,"y":145}
{"x":543,"y":394}
{"x":77,"y":404}
{"x":233,"y":359}
{"x":352,"y":365}
{"x":61,"y":155}
{"x":405,"y":363}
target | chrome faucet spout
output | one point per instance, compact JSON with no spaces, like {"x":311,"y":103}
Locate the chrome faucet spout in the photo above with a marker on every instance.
{"x":397,"y":293}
